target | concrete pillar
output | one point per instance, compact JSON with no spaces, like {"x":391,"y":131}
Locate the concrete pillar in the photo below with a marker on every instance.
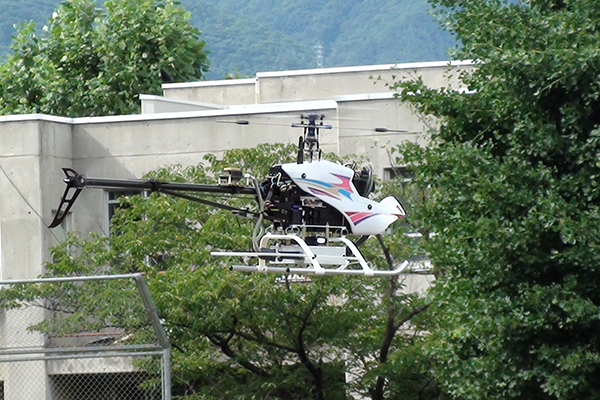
{"x":31,"y":150}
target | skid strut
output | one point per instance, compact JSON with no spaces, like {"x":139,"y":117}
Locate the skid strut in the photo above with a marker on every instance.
{"x":292,"y":255}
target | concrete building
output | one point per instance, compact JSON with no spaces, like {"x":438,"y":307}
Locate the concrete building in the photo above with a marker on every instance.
{"x":189,"y":121}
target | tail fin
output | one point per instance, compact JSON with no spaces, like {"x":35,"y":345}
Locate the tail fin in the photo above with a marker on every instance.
{"x":69,"y":196}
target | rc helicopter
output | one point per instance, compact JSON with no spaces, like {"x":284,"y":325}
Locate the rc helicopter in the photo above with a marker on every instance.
{"x":311,"y":206}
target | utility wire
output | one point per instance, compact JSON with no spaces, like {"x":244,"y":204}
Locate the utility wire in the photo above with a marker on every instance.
{"x":28,"y":203}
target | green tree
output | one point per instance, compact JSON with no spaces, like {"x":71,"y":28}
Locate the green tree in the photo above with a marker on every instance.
{"x":237,"y":335}
{"x":514,"y":176}
{"x":95,"y":61}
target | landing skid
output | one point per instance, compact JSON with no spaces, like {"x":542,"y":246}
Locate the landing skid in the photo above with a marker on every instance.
{"x":290,"y":254}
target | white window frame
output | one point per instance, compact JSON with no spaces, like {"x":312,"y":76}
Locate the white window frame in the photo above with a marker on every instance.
{"x":390,"y":173}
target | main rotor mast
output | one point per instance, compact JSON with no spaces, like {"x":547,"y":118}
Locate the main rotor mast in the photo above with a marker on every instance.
{"x":308,"y":144}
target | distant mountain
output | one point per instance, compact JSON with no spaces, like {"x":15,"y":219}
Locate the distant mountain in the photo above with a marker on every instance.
{"x":353,"y":32}
{"x":246,"y":36}
{"x":239,"y":43}
{"x":15,"y":12}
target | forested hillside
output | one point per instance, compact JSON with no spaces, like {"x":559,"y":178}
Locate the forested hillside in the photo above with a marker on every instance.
{"x":17,"y":11}
{"x":236,"y":42}
{"x":264,"y":35}
{"x":353,"y":32}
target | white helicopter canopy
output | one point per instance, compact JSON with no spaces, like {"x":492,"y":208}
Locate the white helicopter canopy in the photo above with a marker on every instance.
{"x":332,"y":184}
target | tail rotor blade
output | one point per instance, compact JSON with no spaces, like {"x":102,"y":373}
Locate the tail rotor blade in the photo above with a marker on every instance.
{"x":68,"y":199}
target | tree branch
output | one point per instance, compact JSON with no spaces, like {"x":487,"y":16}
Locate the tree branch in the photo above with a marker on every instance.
{"x":386,"y":252}
{"x":261,"y":338}
{"x":223,"y":344}
{"x":302,"y":354}
{"x":410,"y":315}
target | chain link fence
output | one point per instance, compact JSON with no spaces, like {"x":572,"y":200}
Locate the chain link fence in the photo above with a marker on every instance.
{"x":96,"y":337}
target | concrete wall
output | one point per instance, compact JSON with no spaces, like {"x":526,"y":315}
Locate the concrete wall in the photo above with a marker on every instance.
{"x":226,"y":92}
{"x":315,"y":84}
{"x":90,"y":366}
{"x":359,"y":116}
{"x":158,"y":104}
{"x":327,"y":83}
{"x":31,"y":151}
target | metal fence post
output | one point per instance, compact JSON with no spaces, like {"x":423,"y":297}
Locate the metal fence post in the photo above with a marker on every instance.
{"x":160,"y":331}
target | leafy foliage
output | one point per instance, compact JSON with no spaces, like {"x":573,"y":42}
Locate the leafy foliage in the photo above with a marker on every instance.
{"x":91,"y":61}
{"x":513,"y":172}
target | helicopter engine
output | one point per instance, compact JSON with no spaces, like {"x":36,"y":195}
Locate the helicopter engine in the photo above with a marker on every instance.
{"x":286,"y":205}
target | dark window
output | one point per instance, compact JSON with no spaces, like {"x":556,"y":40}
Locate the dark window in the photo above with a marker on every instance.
{"x":397,"y":172}
{"x":113,"y":203}
{"x":113,"y":199}
{"x":114,"y":386}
